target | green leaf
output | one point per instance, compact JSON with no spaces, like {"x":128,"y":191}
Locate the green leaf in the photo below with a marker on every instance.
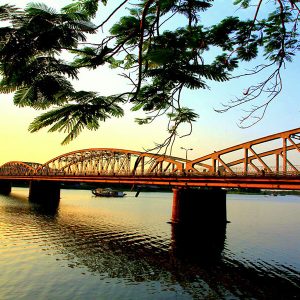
{"x":243,"y":3}
{"x":87,"y":112}
{"x":137,"y":107}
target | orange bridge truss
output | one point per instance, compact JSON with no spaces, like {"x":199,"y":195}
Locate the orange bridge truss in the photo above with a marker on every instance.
{"x":276,"y":154}
{"x":99,"y":161}
{"x":18,"y":168}
{"x":273,"y":155}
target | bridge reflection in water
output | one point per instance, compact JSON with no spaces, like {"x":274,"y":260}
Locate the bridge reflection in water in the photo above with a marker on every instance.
{"x":194,"y":241}
{"x":113,"y":250}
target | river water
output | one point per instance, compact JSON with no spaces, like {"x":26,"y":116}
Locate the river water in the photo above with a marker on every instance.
{"x":124,"y":248}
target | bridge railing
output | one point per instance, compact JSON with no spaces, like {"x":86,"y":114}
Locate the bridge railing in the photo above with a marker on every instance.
{"x":20,"y":169}
{"x":164,"y":174}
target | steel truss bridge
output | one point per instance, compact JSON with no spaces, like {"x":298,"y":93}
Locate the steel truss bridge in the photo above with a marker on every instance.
{"x":271,"y":162}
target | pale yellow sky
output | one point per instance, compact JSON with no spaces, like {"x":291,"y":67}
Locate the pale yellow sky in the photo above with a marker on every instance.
{"x":211,"y":132}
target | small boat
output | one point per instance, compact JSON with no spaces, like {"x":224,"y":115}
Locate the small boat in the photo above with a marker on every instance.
{"x":107,"y":192}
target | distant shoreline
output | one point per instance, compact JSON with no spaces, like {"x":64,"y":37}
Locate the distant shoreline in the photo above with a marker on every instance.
{"x":264,"y":192}
{"x":144,"y":188}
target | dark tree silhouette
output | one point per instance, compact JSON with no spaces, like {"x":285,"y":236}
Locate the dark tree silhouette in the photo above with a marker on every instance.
{"x":158,"y":60}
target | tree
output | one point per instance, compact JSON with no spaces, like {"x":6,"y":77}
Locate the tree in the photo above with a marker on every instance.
{"x":158,"y":60}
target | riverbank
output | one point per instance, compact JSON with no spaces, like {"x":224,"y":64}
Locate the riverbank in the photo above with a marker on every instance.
{"x":155,"y":188}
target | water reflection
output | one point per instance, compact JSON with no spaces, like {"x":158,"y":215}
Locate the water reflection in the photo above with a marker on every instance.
{"x":195,"y":259}
{"x":49,"y":208}
{"x":193,"y":256}
{"x":198,"y":242}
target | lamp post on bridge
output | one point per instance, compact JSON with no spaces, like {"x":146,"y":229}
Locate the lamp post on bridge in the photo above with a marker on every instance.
{"x":217,"y":162}
{"x":186,"y":152}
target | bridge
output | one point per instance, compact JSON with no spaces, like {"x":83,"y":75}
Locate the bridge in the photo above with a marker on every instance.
{"x":271,"y":162}
{"x":247,"y":165}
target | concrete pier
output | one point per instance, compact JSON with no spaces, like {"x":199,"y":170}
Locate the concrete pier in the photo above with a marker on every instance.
{"x":199,"y":206}
{"x":44,"y":193}
{"x":5,"y":187}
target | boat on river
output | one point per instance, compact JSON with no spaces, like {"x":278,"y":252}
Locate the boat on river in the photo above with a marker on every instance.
{"x":107,"y":192}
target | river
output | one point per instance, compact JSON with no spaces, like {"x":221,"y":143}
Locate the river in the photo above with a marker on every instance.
{"x":124,"y":248}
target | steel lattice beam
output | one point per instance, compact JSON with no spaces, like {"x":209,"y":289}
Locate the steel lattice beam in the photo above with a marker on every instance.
{"x":252,"y":161}
{"x":107,"y":161}
{"x":18,"y":168}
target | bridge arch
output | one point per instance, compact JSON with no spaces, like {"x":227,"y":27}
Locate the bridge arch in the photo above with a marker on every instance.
{"x":255,"y":157}
{"x":18,"y":168}
{"x":109,"y":161}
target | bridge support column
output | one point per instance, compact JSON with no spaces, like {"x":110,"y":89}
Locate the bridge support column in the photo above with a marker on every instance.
{"x":198,"y":224}
{"x":5,"y":187}
{"x":199,"y":206}
{"x":44,"y":193}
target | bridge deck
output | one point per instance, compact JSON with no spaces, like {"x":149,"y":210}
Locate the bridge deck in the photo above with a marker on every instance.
{"x":262,"y":182}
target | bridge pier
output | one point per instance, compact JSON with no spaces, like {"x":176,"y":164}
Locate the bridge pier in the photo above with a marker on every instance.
{"x":199,"y":206}
{"x":199,"y":224}
{"x":5,"y":187}
{"x":44,"y":193}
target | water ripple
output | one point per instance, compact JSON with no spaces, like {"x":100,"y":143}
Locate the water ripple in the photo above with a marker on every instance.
{"x":103,"y":252}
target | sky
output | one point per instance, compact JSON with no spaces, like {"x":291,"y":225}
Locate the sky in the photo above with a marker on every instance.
{"x":211,"y":132}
